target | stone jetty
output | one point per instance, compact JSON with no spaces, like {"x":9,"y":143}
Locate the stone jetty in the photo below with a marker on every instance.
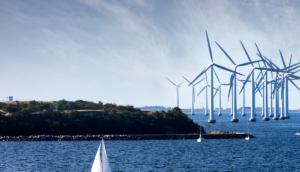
{"x":124,"y":137}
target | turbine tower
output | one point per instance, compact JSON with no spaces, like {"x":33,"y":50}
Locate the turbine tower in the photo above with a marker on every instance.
{"x":243,"y":113}
{"x":211,"y":65}
{"x":177,"y":91}
{"x":193,"y":93}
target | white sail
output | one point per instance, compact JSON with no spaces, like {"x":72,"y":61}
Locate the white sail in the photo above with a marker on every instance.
{"x":97,"y":165}
{"x":105,"y":163}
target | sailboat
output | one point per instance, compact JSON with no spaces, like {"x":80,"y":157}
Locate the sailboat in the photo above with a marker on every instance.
{"x":98,"y":165}
{"x":199,"y":139}
{"x":247,"y":137}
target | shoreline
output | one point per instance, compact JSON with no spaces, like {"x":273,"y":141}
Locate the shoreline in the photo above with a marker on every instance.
{"x":124,"y":137}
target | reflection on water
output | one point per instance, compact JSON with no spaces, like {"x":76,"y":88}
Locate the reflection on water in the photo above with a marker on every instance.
{"x":275,"y":149}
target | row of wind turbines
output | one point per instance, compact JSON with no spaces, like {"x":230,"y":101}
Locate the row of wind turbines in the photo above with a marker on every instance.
{"x":280,"y":78}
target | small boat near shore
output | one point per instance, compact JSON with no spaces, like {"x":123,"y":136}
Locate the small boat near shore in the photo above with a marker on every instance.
{"x":199,"y":139}
{"x":248,"y":136}
{"x":298,"y":134}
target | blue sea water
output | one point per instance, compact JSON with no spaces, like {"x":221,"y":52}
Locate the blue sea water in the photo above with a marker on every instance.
{"x":276,"y":148}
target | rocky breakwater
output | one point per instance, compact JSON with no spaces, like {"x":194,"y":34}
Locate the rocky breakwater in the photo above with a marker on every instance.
{"x":124,"y":137}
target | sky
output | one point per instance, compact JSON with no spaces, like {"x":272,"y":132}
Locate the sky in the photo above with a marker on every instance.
{"x":122,"y":51}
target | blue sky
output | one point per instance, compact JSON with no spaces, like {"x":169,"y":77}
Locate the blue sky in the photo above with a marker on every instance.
{"x":121,"y":51}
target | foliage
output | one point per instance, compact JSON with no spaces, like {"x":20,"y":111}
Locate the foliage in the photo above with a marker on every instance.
{"x":115,"y":120}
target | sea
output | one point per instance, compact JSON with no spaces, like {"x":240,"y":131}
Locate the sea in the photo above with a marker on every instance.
{"x":276,"y":148}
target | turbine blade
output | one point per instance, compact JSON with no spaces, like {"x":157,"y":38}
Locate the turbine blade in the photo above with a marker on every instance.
{"x":268,"y":69}
{"x":259,"y":92}
{"x":260,"y":55}
{"x":261,"y":78}
{"x":200,"y":75}
{"x":292,"y":68}
{"x":271,"y":62}
{"x":260,"y":73}
{"x":171,"y":81}
{"x":199,"y":81}
{"x":217,"y":76}
{"x":282,"y":59}
{"x":244,"y":64}
{"x":246,"y":80}
{"x":247,"y":53}
{"x":180,"y":83}
{"x":206,"y":78}
{"x":211,"y":57}
{"x":293,"y":76}
{"x":226,"y":53}
{"x":186,"y":80}
{"x":230,"y":85}
{"x":294,"y":72}
{"x":271,"y":72}
{"x":294,"y":84}
{"x":221,"y":67}
{"x":268,"y":63}
{"x":216,"y":91}
{"x":201,"y":90}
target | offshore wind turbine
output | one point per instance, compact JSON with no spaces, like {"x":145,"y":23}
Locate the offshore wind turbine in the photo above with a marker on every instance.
{"x":286,"y":79}
{"x":177,"y":91}
{"x":252,"y":116}
{"x":285,"y":74}
{"x":261,"y":87}
{"x":206,"y":106}
{"x":243,"y":113}
{"x":266,"y":118}
{"x":193,"y":93}
{"x":235,"y":66}
{"x":211,"y":65}
{"x":219,"y":89}
{"x":206,"y":102}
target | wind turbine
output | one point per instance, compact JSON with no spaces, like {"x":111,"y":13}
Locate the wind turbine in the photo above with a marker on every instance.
{"x":177,"y":91}
{"x":193,"y":93}
{"x":205,"y":87}
{"x":219,"y":89}
{"x":211,"y":65}
{"x":266,"y":87}
{"x":235,"y":66}
{"x":286,"y":81}
{"x":285,"y":74}
{"x":243,"y":113}
{"x":252,"y":118}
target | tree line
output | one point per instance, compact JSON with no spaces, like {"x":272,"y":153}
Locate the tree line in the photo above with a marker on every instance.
{"x":115,"y":120}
